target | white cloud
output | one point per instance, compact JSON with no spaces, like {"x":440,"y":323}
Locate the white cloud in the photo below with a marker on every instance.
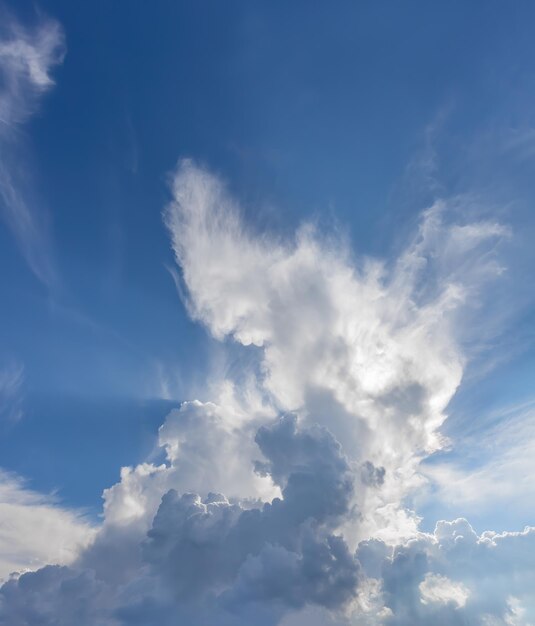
{"x":208,"y":447}
{"x":370,"y":349}
{"x":35,"y":529}
{"x":253,"y":517}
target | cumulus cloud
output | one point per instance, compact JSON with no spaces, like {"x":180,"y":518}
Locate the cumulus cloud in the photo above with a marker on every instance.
{"x":210,"y":560}
{"x":208,"y":447}
{"x":27,"y":56}
{"x":286,"y":502}
{"x":372,"y":350}
{"x":455,"y":576}
{"x":281,"y":554}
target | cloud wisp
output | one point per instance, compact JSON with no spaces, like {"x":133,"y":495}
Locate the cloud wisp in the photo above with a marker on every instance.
{"x":288,"y":492}
{"x":27,"y":56}
{"x":11,"y":379}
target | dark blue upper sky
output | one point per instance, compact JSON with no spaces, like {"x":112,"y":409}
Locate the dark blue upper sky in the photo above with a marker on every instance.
{"x":356,"y":112}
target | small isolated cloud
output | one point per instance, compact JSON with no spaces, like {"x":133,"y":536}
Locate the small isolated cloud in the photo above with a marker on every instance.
{"x":27,"y":56}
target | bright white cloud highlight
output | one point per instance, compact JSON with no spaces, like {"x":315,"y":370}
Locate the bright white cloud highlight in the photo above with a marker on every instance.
{"x":436,"y":588}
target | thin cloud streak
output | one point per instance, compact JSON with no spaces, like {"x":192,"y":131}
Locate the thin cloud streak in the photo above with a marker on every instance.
{"x":27,"y":56}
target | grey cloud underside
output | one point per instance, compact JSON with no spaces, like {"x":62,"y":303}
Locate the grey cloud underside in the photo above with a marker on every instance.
{"x":211,"y":561}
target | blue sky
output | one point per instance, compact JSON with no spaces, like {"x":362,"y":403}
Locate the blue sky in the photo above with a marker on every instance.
{"x":355,"y":117}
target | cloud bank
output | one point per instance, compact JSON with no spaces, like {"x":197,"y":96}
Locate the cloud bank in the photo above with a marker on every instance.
{"x":286,"y":498}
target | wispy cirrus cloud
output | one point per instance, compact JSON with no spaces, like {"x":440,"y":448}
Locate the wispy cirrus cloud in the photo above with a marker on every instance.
{"x":493,"y":461}
{"x":11,"y":379}
{"x":27,"y":56}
